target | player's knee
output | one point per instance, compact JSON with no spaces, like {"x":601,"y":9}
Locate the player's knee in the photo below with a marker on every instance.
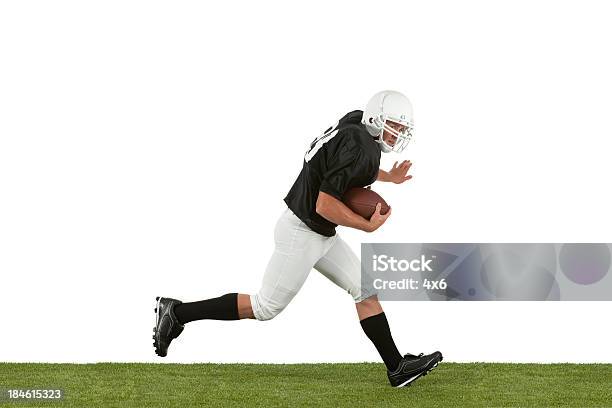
{"x":355,"y":291}
{"x":267,"y":309}
{"x":269,"y":312}
{"x":363,"y":296}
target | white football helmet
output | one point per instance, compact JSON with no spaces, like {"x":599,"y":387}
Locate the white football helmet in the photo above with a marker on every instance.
{"x":389,"y":106}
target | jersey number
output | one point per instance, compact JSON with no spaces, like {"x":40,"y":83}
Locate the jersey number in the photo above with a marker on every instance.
{"x":320,"y":141}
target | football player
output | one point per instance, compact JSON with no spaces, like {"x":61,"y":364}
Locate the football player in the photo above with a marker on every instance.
{"x":346,"y":155}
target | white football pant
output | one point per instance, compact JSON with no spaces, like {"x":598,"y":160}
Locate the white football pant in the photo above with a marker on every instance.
{"x":298,"y":249}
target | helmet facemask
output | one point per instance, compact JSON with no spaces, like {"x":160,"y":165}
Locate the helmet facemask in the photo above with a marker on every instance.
{"x":402,"y":136}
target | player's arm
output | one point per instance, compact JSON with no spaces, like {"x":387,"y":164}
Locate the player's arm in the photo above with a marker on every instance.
{"x":334,"y":210}
{"x":397,"y":174}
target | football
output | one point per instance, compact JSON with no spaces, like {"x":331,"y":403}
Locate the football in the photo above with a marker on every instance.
{"x":363,"y":201}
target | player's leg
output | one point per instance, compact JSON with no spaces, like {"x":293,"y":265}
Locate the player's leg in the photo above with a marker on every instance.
{"x":287,"y":270}
{"x":374,"y":323}
{"x":341,"y":266}
{"x":231,"y":306}
{"x":244,"y":310}
{"x":297,"y":248}
{"x":219,"y":308}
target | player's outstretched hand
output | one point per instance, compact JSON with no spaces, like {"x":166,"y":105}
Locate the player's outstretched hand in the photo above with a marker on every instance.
{"x":398,"y":172}
{"x":377,"y":219}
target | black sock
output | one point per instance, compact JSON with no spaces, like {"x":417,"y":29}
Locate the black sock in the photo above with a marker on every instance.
{"x":377,"y":329}
{"x":221,"y":308}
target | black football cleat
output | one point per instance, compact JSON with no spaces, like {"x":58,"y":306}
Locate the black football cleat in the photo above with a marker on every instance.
{"x":167,"y":326}
{"x":412,"y":368}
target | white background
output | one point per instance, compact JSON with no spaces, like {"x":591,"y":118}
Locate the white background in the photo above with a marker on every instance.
{"x":145,"y":148}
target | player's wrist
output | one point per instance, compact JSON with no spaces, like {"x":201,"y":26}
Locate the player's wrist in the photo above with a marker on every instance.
{"x":369,"y":226}
{"x":383,"y":175}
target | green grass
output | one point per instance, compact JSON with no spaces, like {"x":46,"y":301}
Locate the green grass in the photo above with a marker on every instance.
{"x":354,"y":385}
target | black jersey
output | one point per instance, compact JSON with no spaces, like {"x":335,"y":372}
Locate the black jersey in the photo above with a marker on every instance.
{"x":345,"y":156}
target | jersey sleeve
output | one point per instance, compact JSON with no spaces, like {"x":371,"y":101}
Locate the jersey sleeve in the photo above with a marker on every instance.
{"x":343,"y":171}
